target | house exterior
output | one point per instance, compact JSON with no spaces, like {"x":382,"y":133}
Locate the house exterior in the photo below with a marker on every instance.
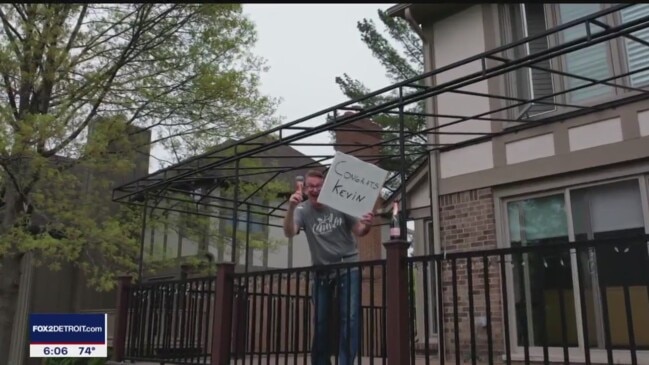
{"x":278,"y":252}
{"x":168,"y":245}
{"x":580,"y":174}
{"x":268,"y":248}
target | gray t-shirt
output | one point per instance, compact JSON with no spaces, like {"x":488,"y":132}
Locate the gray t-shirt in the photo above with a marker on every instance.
{"x":329,"y":233}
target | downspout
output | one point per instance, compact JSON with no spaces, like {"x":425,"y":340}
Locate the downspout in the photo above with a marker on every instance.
{"x":434,"y":155}
{"x":433,"y":171}
{"x":413,"y":24}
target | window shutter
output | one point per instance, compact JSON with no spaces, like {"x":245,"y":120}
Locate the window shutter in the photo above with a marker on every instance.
{"x":591,"y":62}
{"x":637,"y":53}
{"x":541,"y":80}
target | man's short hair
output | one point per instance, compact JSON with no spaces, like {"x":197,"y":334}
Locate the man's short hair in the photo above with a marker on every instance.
{"x":315,"y":173}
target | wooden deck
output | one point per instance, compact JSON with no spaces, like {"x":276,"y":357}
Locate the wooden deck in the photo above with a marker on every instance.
{"x":305,"y":360}
{"x":279,"y":360}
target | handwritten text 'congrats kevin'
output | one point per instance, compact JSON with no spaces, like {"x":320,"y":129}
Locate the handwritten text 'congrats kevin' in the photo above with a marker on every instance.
{"x":343,"y":187}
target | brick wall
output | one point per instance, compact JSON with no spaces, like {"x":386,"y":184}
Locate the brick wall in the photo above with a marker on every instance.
{"x":359,"y":138}
{"x":467,"y":221}
{"x":468,"y":224}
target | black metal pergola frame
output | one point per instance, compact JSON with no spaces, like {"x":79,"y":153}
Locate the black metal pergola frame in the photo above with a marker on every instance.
{"x":222,"y":164}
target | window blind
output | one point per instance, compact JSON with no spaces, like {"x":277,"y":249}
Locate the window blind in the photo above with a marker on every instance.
{"x":637,"y":53}
{"x":541,"y":80}
{"x":591,"y":62}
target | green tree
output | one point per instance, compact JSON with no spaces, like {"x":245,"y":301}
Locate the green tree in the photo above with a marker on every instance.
{"x":77,"y":82}
{"x":400,"y":52}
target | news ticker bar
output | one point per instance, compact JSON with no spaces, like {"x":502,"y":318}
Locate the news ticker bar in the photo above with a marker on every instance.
{"x":68,"y":335}
{"x":68,"y":351}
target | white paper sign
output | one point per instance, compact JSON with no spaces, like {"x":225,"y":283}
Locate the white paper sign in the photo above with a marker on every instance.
{"x":352,"y":185}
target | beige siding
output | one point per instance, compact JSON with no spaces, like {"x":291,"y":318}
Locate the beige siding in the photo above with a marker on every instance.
{"x":420,"y":194}
{"x":466,"y":160}
{"x":530,"y":148}
{"x":595,"y":134}
{"x":455,"y":38}
{"x":602,"y":138}
{"x":643,"y":120}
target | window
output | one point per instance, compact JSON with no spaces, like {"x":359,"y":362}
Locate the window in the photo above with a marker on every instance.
{"x":542,"y":284}
{"x":540,"y":280}
{"x":637,"y":53}
{"x":257,"y":218}
{"x":164,"y":240}
{"x":530,"y":82}
{"x":591,"y":62}
{"x":611,"y":211}
{"x":597,"y":62}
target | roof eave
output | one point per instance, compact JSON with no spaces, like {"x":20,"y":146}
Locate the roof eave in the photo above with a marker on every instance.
{"x":397,"y":10}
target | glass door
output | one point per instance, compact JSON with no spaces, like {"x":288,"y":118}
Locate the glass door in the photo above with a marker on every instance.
{"x":615,"y":276}
{"x":543,"y":286}
{"x":606,"y":305}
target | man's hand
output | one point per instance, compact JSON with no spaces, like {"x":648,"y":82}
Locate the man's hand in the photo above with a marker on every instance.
{"x":295,"y":199}
{"x":367,"y":218}
{"x":364,"y":224}
{"x":290,"y":229}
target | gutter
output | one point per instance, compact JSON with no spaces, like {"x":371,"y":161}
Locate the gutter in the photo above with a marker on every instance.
{"x":413,"y":24}
{"x":404,"y":11}
{"x":433,"y":158}
{"x":433,"y":168}
{"x":397,"y":9}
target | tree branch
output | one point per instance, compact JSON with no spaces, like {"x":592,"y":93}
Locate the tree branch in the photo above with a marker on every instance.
{"x":12,"y":100}
{"x":75,"y":31}
{"x":91,"y":43}
{"x":20,"y":11}
{"x":112,"y":74}
{"x":9,"y":29}
{"x":15,"y":183}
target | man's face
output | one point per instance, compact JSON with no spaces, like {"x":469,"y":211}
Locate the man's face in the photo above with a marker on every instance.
{"x":312,"y":186}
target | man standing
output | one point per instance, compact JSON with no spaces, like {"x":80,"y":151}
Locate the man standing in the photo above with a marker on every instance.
{"x":330,"y":234}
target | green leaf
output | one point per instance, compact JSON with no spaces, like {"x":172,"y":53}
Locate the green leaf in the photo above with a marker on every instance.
{"x":87,"y":92}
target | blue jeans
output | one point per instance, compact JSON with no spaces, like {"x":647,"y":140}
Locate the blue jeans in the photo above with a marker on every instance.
{"x":347,"y":285}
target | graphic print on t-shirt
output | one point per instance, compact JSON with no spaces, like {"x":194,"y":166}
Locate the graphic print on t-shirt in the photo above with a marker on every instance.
{"x":327,"y":224}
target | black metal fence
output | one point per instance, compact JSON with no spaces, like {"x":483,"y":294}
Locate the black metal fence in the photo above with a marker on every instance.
{"x":275,"y":318}
{"x":546,"y":301}
{"x":373,"y":332}
{"x":422,"y":308}
{"x":170,"y":321}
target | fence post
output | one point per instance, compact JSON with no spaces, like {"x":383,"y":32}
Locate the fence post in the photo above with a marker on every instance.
{"x":222,"y":324}
{"x":119,"y":336}
{"x":397,"y":315}
{"x":240,"y":314}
